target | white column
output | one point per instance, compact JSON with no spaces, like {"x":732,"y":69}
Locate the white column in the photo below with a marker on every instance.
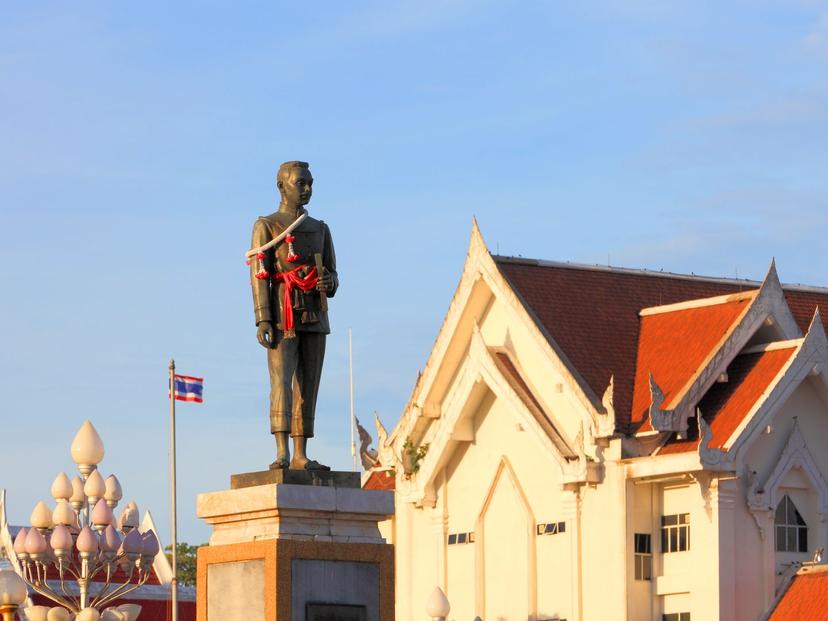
{"x":571,"y":506}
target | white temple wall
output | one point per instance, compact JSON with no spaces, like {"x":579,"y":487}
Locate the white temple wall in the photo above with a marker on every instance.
{"x":604,"y":542}
{"x":499,"y":328}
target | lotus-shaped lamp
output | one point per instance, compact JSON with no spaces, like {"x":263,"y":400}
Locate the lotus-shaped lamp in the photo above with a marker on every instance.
{"x":124,"y":612}
{"x":65,"y":514}
{"x":36,"y":613}
{"x":88,"y":614}
{"x":20,"y":544}
{"x":58,"y":613}
{"x":150,"y":546}
{"x":113,"y":492}
{"x":102,"y":515}
{"x":36,"y":545}
{"x":110,"y":540}
{"x":133,"y":543}
{"x":129,"y":517}
{"x":87,"y":542}
{"x":94,"y":487}
{"x":41,"y":516}
{"x":87,"y":448}
{"x":62,"y":487}
{"x":438,"y":605}
{"x":78,"y":498}
{"x":61,"y":540}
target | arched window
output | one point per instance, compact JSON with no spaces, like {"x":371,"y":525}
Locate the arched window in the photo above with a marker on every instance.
{"x":791,"y":529}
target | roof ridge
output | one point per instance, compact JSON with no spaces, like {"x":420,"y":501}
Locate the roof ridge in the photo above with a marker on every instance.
{"x":633,"y":271}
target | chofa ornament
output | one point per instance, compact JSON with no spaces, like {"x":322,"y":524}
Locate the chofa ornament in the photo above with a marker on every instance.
{"x":81,"y":542}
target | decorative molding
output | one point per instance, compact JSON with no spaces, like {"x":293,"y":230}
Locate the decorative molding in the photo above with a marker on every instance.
{"x":663,"y":420}
{"x":605,"y":427}
{"x":763,"y":498}
{"x":709,"y":457}
{"x":810,"y":358}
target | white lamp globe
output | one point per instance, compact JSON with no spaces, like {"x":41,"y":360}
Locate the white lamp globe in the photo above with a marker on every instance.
{"x":113,"y":492}
{"x":94,"y":486}
{"x":13,"y":590}
{"x":62,"y":487}
{"x":58,"y":613}
{"x":87,"y":448}
{"x":65,"y":514}
{"x":88,"y":614}
{"x":36,"y":613}
{"x":41,"y":516}
{"x":438,"y":605}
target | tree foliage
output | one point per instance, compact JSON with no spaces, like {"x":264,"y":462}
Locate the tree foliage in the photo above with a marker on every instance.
{"x":187,"y":566}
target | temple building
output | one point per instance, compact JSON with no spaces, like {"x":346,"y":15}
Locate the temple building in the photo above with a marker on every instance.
{"x":589,"y":443}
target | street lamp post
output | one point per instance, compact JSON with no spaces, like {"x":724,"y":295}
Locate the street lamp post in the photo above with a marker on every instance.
{"x":80,"y":539}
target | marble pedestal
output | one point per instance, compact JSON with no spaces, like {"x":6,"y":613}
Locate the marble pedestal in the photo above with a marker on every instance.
{"x":292,"y":552}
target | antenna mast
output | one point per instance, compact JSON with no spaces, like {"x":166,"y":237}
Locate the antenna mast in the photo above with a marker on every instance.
{"x":351,"y":384}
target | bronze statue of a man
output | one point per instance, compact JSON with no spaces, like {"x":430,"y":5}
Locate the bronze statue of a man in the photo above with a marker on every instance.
{"x":291,"y":280}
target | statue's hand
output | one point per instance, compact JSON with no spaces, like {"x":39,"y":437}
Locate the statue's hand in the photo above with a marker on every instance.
{"x":325,"y":283}
{"x":266,"y":335}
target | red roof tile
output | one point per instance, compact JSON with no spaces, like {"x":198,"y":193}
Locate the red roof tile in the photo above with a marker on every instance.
{"x":805,"y":598}
{"x":592,"y":314}
{"x":725,"y":405}
{"x":674,"y":345}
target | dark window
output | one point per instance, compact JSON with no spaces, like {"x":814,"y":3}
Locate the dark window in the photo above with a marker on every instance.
{"x":675,"y":532}
{"x":676,"y":616}
{"x":459,"y":538}
{"x":791,"y":529}
{"x":643,"y":557}
{"x":551,"y":528}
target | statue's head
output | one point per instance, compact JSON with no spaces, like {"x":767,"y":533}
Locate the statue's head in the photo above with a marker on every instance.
{"x":295,"y":183}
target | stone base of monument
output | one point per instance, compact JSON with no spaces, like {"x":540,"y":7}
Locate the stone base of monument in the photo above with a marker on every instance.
{"x":304,"y":550}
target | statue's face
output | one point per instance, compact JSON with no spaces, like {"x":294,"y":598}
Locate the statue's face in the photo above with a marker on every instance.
{"x":298,"y":187}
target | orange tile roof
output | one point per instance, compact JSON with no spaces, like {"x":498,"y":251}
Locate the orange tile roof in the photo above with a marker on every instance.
{"x":726,"y":405}
{"x":381,"y":480}
{"x":805,"y":598}
{"x":674,"y":345}
{"x":591,"y":313}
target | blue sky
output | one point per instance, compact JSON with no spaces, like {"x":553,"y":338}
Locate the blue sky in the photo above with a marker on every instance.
{"x":139,"y":144}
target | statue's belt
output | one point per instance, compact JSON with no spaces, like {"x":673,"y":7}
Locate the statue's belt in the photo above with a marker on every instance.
{"x":292,"y":279}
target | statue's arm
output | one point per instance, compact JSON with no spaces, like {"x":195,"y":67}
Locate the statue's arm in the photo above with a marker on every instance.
{"x":261,"y":288}
{"x":329,"y":260}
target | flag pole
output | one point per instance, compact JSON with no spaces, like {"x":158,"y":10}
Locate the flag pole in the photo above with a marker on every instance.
{"x":351,"y":384}
{"x":174,"y":514}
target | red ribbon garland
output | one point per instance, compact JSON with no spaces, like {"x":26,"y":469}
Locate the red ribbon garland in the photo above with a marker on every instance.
{"x":291,"y":280}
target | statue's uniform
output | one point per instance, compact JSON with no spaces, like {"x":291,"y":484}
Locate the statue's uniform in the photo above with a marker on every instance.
{"x":295,"y":364}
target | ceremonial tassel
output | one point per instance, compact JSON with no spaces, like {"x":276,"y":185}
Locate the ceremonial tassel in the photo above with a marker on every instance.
{"x":292,"y":256}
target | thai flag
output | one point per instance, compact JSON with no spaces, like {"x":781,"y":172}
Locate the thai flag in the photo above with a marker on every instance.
{"x":189,"y":388}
